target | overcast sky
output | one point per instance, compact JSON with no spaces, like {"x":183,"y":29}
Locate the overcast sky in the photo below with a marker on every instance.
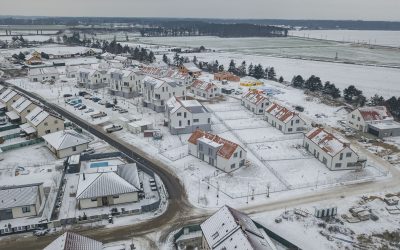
{"x":258,"y":9}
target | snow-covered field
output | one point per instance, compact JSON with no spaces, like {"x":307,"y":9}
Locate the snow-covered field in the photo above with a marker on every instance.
{"x":377,"y":37}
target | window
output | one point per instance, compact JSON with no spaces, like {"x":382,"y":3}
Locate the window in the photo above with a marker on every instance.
{"x":235,"y":154}
{"x":26,"y":209}
{"x":180,"y":123}
{"x":240,"y":154}
{"x":324,"y":161}
{"x":55,"y":121}
{"x":93,"y":199}
{"x":291,"y":122}
{"x":290,"y":129}
{"x":338,"y":165}
{"x":358,"y":118}
{"x":195,"y":120}
{"x":45,"y":124}
{"x":115,"y":196}
{"x":341,"y":156}
{"x":201,"y":147}
{"x":348,"y":154}
{"x":210,"y":151}
{"x":74,"y":148}
{"x":297,"y":121}
{"x":353,"y":116}
{"x":184,"y":114}
{"x":188,"y":122}
{"x":233,"y":166}
{"x":209,"y":120}
{"x":179,"y":114}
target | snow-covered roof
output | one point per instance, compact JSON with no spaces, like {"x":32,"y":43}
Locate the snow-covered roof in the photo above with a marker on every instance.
{"x":191,"y":67}
{"x":231,"y":229}
{"x":226,"y":150}
{"x":18,"y":196}
{"x":107,"y":54}
{"x":73,"y":241}
{"x":121,"y":58}
{"x":90,"y":72}
{"x":21,"y":104}
{"x":124,"y":180}
{"x":121,"y":72}
{"x":43,"y":71}
{"x":156,"y":82}
{"x":37,"y":116}
{"x":164,"y":72}
{"x":65,"y":139}
{"x":202,"y":85}
{"x":327,"y":141}
{"x":376,"y":113}
{"x":27,"y":128}
{"x":192,"y":106}
{"x":280,"y":112}
{"x":7,"y":95}
{"x":12,"y":115}
{"x":254,"y":96}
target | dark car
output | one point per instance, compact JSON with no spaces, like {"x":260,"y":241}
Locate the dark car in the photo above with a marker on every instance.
{"x":95,"y":99}
{"x":109,"y":105}
{"x":67,"y":95}
{"x":82,"y":93}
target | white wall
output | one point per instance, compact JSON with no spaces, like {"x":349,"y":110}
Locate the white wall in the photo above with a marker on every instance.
{"x":225,"y":164}
{"x":356,"y":121}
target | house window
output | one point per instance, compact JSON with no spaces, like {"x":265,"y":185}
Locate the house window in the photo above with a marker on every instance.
{"x":184,"y":114}
{"x":348,"y":154}
{"x":45,"y":124}
{"x":188,"y":122}
{"x":180,"y":123}
{"x":115,"y":196}
{"x":358,"y":118}
{"x":235,"y":154}
{"x":55,"y":121}
{"x":210,"y":151}
{"x":93,"y":199}
{"x":200,"y":147}
{"x":324,"y":161}
{"x":280,"y":127}
{"x":297,"y":121}
{"x":179,"y":114}
{"x":291,"y":122}
{"x":26,"y":209}
{"x":209,"y":120}
{"x":353,"y":116}
{"x":240,"y":153}
{"x":233,"y":166}
{"x":290,"y":129}
{"x":341,"y":156}
{"x":74,"y":148}
{"x":195,"y":120}
{"x":338,"y":165}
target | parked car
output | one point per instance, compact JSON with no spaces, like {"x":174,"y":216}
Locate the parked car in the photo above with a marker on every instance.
{"x":78,"y":105}
{"x":114,"y":128}
{"x":116,"y":108}
{"x":102,"y":102}
{"x":98,"y":115}
{"x":109,"y":105}
{"x":95,"y":99}
{"x":88,"y":96}
{"x":238,"y":92}
{"x":67,"y":95}
{"x":41,"y":232}
{"x":82,"y":107}
{"x":83,"y":93}
{"x":89,"y":110}
{"x":299,"y":108}
{"x":121,"y":111}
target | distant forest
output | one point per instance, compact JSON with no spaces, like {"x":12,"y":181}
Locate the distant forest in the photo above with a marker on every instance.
{"x":166,"y":22}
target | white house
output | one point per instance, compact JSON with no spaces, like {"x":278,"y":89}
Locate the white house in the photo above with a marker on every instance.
{"x":65,"y":143}
{"x":157,"y":91}
{"x":22,"y":107}
{"x":21,"y":201}
{"x":255,"y":101}
{"x":73,"y":241}
{"x":8,"y":97}
{"x":284,"y":119}
{"x":124,"y":82}
{"x":165,"y":72}
{"x":375,"y":120}
{"x":185,"y":116}
{"x":216,"y":151}
{"x":333,"y":152}
{"x":230,"y":229}
{"x":108,"y":188}
{"x":91,"y":78}
{"x":125,"y":61}
{"x":43,"y":74}
{"x":41,"y":122}
{"x":206,"y":90}
{"x":107,"y":56}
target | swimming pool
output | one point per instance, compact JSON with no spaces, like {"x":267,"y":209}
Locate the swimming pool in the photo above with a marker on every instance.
{"x":99,"y":164}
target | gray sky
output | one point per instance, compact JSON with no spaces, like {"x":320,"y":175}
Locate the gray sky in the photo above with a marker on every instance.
{"x":258,"y":9}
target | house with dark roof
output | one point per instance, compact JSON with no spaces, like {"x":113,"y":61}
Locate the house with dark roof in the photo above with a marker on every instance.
{"x":185,"y":116}
{"x":255,"y":101}
{"x":21,"y":201}
{"x":73,"y":241}
{"x":230,"y":229}
{"x":334,"y":152}
{"x":375,"y":120}
{"x":217,"y":151}
{"x":108,"y":188}
{"x":284,"y":119}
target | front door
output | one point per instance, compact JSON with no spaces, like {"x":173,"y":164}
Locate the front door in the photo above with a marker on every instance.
{"x":104,"y":200}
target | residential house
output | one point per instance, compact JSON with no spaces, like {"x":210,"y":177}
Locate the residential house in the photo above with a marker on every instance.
{"x":108,"y":188}
{"x":72,"y":71}
{"x":191,"y":69}
{"x":217,"y":151}
{"x":165,"y":72}
{"x":22,"y":107}
{"x":91,"y":78}
{"x":185,"y":116}
{"x":284,"y":119}
{"x":230,"y":229}
{"x":34,"y":58}
{"x":255,"y":101}
{"x":107,"y":56}
{"x":43,"y":74}
{"x":8,"y":97}
{"x":41,"y":122}
{"x":125,"y":61}
{"x":156,"y":92}
{"x":226,"y":76}
{"x":375,"y":120}
{"x":334,"y":153}
{"x":65,"y":143}
{"x":125,"y":83}
{"x":73,"y":241}
{"x":21,"y":201}
{"x":205,"y":90}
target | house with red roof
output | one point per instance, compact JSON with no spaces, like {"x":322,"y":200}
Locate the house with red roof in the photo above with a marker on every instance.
{"x":284,"y":119}
{"x":375,"y":120}
{"x":334,"y":152}
{"x":217,"y":151}
{"x":205,"y":90}
{"x":255,"y":101}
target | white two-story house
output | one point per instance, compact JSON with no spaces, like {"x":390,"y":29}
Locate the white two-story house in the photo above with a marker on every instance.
{"x":333,"y":152}
{"x":124,"y":82}
{"x":165,"y":72}
{"x":91,"y":78}
{"x":157,"y":91}
{"x":284,"y":119}
{"x":185,"y":116}
{"x":205,"y":90}
{"x":255,"y":101}
{"x":43,"y":74}
{"x":217,"y":151}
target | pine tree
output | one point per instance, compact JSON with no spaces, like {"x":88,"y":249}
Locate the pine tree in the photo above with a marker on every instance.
{"x":151,"y":58}
{"x":165,"y":59}
{"x":271,"y":74}
{"x":232,"y":66}
{"x":194,"y":60}
{"x":251,"y":70}
{"x":242,"y":69}
{"x":21,"y":56}
{"x":176,"y":60}
{"x":258,"y":72}
{"x":221,"y":68}
{"x":281,"y":79}
{"x":298,"y":82}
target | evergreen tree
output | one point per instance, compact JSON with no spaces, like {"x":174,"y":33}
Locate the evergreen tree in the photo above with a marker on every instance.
{"x":151,"y":57}
{"x":194,"y":60}
{"x":176,"y":60}
{"x":242,"y":69}
{"x":271,"y":74}
{"x":251,"y":70}
{"x":221,"y":68}
{"x":298,"y":81}
{"x":21,"y":56}
{"x":377,"y":100}
{"x":232,"y":66}
{"x":165,"y":59}
{"x":313,"y":84}
{"x":281,"y":79}
{"x":258,"y":72}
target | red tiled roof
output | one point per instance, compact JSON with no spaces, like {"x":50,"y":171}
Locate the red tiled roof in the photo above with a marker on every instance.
{"x":280,"y":112}
{"x":227,"y":149}
{"x":207,"y":86}
{"x":326,"y":141}
{"x":376,"y":113}
{"x":254,"y":96}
